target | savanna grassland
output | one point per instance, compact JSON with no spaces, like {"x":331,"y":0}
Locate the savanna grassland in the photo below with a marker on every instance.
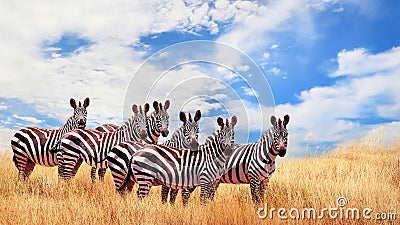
{"x":366,"y":174}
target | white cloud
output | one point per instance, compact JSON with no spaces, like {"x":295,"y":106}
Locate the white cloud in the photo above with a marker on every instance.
{"x":5,"y":137}
{"x":274,"y":46}
{"x":243,"y":68}
{"x":3,"y":106}
{"x":100,"y":71}
{"x":383,"y":134}
{"x":28,"y":119}
{"x":255,"y":30}
{"x":266,"y":55}
{"x":333,"y":113}
{"x":359,"y":62}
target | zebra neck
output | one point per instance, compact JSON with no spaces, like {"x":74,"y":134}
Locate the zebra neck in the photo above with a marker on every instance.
{"x":265,"y":147}
{"x":177,"y":141}
{"x":69,"y":125}
{"x":212,"y":148}
{"x":153,"y":134}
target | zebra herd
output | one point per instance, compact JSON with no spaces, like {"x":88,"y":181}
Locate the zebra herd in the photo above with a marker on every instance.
{"x":133,"y":155}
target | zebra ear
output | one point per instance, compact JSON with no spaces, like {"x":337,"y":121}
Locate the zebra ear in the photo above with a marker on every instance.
{"x":135,"y":109}
{"x":234,"y":121}
{"x":286,"y":120}
{"x":220,"y":122}
{"x":156,"y":106}
{"x":182,"y":117}
{"x":273,"y":121}
{"x":72,"y":102}
{"x":146,"y":107}
{"x":166,"y":105}
{"x":86,"y":102}
{"x":197,"y":116}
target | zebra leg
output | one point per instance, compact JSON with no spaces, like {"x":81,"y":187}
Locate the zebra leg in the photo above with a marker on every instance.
{"x":129,"y":186}
{"x":214,"y":188}
{"x":93,"y":174}
{"x":20,"y":163}
{"x":69,"y":168}
{"x":255,"y":191}
{"x":172,"y":196}
{"x":28,"y":169}
{"x":144,"y":188}
{"x":76,"y":167}
{"x":164,"y":194}
{"x":186,"y":195}
{"x":102,"y":172}
{"x":204,"y":192}
{"x":263,"y":186}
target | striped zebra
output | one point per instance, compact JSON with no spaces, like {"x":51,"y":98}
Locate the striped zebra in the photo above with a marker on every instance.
{"x":157,"y":124}
{"x":31,"y":145}
{"x":254,"y":163}
{"x":182,"y":168}
{"x":103,"y":128}
{"x":118,"y":158}
{"x":93,"y":146}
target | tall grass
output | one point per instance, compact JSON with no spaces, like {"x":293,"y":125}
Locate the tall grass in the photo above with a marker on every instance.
{"x":366,"y":174}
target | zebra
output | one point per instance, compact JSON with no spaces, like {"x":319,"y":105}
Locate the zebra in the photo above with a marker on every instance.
{"x":182,"y":168}
{"x":93,"y":146}
{"x":31,"y":145}
{"x":103,"y":128}
{"x":157,"y":124}
{"x":118,"y":158}
{"x":254,"y":163}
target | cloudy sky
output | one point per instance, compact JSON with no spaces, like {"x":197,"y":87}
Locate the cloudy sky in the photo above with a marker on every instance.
{"x":332,"y":65}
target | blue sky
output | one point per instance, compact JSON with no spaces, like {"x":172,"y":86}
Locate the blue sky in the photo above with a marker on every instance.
{"x":333,"y":65}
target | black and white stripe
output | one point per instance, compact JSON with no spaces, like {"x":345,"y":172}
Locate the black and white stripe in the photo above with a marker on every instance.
{"x":182,"y":168}
{"x":31,"y":145}
{"x":118,"y":158}
{"x":102,"y":171}
{"x":157,"y":124}
{"x":93,"y":146}
{"x":107,"y":127}
{"x":254,"y":163}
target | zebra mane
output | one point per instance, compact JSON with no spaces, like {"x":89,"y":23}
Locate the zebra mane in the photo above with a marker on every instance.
{"x":266,"y":138}
{"x":210,"y":138}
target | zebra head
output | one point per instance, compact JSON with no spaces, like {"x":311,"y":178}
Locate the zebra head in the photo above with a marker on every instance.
{"x":226,"y":134}
{"x":80,"y":113}
{"x":140,"y":119}
{"x":162,"y":117}
{"x":279,"y":135}
{"x":190,"y":130}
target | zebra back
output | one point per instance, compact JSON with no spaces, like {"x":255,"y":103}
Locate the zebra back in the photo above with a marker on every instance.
{"x":107,"y":127}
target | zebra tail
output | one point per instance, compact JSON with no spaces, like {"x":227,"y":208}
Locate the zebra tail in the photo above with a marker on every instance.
{"x":122,"y":187}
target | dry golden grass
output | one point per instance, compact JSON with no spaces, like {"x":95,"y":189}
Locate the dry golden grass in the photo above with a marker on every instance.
{"x":368,"y":175}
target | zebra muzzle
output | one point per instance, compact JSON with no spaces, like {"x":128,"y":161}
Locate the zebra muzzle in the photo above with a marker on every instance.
{"x":143,"y":134}
{"x":165,"y":133}
{"x":194,"y":145}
